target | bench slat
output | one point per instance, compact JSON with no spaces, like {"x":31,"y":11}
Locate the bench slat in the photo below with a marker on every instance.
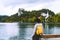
{"x":50,"y":36}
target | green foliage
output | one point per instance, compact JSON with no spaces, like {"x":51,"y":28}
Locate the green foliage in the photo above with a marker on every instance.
{"x":30,"y":16}
{"x":57,"y":18}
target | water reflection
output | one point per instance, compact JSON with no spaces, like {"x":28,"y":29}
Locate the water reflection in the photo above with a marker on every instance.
{"x":15,"y":31}
{"x":8,"y":30}
{"x":50,"y":28}
{"x":25,"y":32}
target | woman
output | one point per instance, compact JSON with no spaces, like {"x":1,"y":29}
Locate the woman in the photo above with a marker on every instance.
{"x":38,"y":30}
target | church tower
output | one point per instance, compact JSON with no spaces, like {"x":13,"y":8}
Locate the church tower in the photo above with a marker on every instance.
{"x":20,"y":11}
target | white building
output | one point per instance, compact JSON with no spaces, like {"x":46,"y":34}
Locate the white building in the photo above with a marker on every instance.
{"x":20,"y":11}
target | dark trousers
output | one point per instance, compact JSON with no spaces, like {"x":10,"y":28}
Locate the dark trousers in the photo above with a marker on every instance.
{"x":36,"y":37}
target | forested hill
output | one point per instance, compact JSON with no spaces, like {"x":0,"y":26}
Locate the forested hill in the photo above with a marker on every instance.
{"x":30,"y":16}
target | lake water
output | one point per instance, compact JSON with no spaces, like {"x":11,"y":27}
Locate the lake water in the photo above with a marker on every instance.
{"x":17,"y":31}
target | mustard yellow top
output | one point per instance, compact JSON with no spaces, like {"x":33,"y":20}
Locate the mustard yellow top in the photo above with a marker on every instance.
{"x":39,"y":29}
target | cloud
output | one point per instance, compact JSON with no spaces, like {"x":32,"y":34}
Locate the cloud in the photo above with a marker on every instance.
{"x":54,"y":6}
{"x":16,"y":2}
{"x":10,"y":7}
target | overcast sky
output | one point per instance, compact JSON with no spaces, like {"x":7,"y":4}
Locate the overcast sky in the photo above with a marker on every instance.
{"x":10,"y":7}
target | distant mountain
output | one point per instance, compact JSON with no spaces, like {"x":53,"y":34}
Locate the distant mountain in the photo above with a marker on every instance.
{"x":2,"y":17}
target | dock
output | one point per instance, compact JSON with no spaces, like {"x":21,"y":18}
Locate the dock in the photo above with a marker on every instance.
{"x":50,"y":36}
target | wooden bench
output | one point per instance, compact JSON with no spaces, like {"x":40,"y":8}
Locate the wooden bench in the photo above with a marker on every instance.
{"x":50,"y":36}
